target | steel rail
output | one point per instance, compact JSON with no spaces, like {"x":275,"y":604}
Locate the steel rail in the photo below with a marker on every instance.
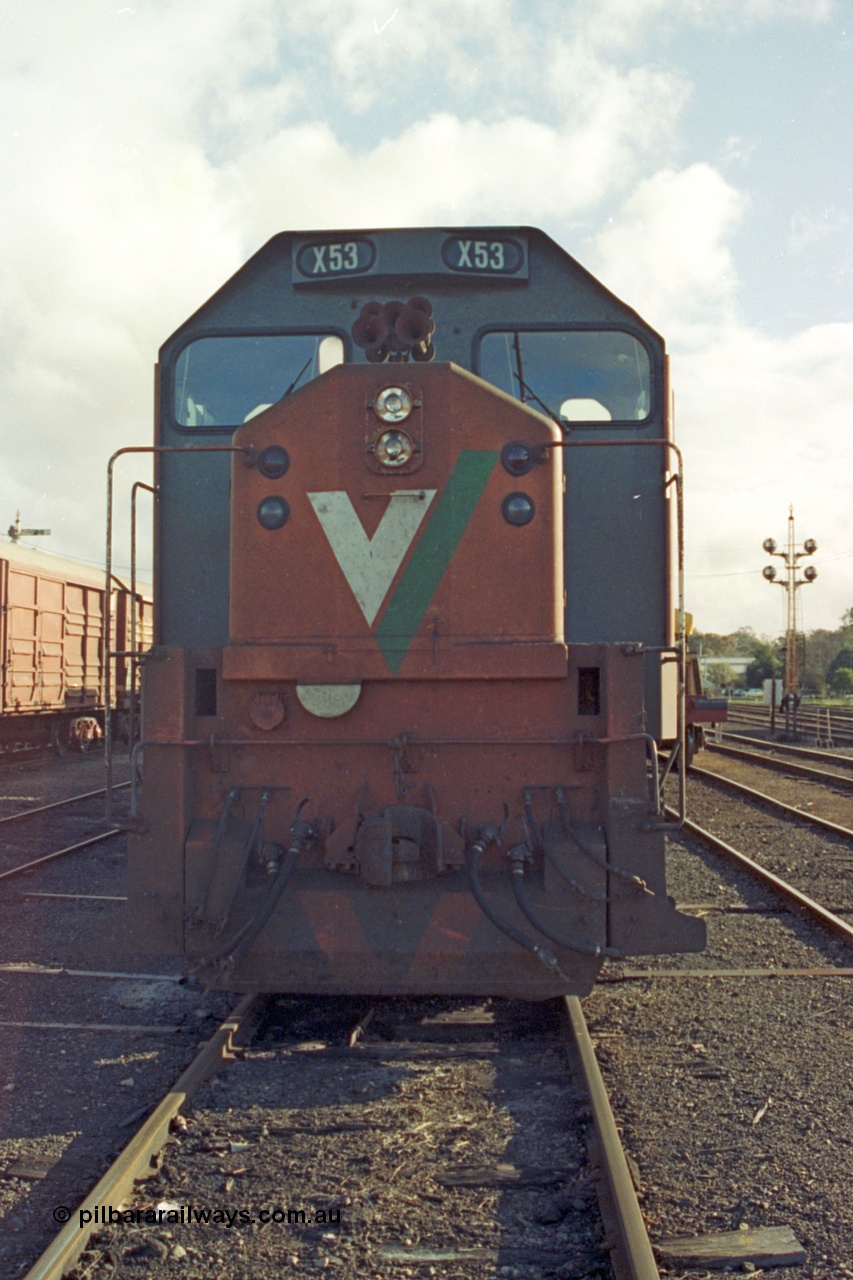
{"x":789,"y":810}
{"x":118,"y":1181}
{"x":60,"y":853}
{"x":786,"y":748}
{"x":828,"y":919}
{"x":789,"y":766}
{"x":808,"y":720}
{"x":632,"y":1257}
{"x":59,"y":804}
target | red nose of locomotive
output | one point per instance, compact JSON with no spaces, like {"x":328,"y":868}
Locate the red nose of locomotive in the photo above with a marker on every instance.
{"x":395,"y":528}
{"x":412,"y":785}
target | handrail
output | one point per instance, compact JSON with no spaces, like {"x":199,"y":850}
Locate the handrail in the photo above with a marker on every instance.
{"x":109,"y":653}
{"x":134,"y":657}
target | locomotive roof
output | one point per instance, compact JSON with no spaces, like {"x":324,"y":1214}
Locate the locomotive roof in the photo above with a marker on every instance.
{"x":485,"y":276}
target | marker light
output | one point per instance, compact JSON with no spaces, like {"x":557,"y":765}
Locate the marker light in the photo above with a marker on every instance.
{"x":517,"y":458}
{"x":273,"y":461}
{"x":273,"y":512}
{"x":394,"y":404}
{"x":769,"y":572}
{"x":518,"y":509}
{"x":394,"y":448}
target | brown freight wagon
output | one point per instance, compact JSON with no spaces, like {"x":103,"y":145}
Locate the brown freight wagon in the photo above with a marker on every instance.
{"x":52,"y":648}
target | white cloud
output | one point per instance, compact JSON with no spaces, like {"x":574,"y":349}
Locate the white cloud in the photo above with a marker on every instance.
{"x":808,"y":225}
{"x":764,"y":421}
{"x":667,"y":246}
{"x":440,"y":167}
{"x":619,"y":24}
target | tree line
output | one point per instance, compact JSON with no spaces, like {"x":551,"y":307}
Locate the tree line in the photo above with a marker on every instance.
{"x":825,"y":658}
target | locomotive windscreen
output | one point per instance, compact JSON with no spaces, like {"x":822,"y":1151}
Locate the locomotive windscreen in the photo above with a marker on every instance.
{"x":223,"y":381}
{"x":580,"y":375}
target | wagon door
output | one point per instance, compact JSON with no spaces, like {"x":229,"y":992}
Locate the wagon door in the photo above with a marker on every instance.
{"x":21,"y":672}
{"x":50,"y":629}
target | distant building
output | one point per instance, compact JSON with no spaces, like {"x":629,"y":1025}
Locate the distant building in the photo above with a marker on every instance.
{"x":738,"y":663}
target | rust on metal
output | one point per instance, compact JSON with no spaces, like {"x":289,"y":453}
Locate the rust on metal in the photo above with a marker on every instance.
{"x":118,"y":1181}
{"x":632,"y":1256}
{"x":828,"y":919}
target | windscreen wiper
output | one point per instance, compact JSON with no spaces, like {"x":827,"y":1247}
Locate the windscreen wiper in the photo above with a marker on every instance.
{"x":561,"y":422}
{"x":298,"y":377}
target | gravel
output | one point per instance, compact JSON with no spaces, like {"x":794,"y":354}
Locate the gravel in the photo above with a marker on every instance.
{"x":735,"y":1094}
{"x":374,"y":1145}
{"x":66,"y":1094}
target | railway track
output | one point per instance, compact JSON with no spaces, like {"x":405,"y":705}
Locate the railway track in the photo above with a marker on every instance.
{"x":399,"y":1091}
{"x":729,"y":1070}
{"x":785,"y":749}
{"x":783,"y":764}
{"x":814,"y":721}
{"x":820,"y":859}
{"x":53,"y":809}
{"x":772,"y":802}
{"x":418,"y":1091}
{"x":31,"y":865}
{"x":14,"y":757}
{"x":829,"y":920}
{"x":54,"y":805}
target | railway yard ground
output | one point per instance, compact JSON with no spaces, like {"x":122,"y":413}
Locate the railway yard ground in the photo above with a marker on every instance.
{"x":432,"y":1138}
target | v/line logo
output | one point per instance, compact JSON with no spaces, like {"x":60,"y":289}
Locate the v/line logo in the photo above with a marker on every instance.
{"x":371,"y":564}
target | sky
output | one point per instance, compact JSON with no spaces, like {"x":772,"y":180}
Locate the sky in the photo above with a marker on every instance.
{"x":696,"y":157}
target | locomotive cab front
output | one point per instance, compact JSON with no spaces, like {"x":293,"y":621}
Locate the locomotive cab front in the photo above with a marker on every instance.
{"x":382,"y":769}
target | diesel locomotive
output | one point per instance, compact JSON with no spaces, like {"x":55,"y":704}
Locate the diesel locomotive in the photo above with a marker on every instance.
{"x":416,"y":616}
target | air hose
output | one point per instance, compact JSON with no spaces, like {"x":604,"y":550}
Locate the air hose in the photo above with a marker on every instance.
{"x":518,"y":857}
{"x":488,"y":835}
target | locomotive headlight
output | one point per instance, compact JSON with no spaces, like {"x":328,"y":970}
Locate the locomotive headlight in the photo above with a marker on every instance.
{"x":273,"y":512}
{"x":394,"y":448}
{"x":518,"y":508}
{"x":394,"y":404}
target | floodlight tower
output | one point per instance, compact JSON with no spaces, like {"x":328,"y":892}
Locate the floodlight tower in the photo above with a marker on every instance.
{"x":791,"y":583}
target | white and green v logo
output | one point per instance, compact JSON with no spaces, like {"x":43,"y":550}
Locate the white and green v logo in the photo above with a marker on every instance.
{"x":370,"y":564}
